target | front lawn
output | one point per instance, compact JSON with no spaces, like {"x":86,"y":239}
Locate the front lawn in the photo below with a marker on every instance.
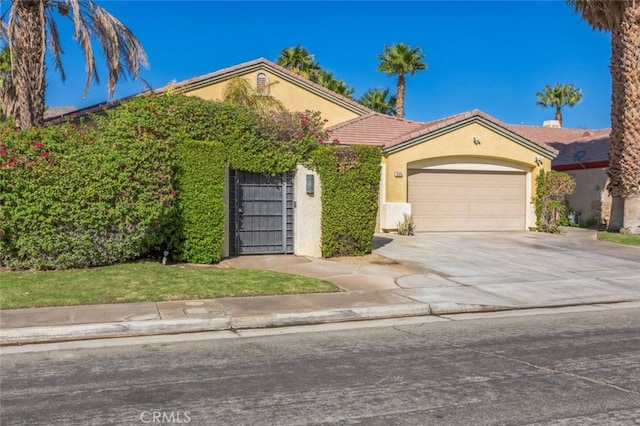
{"x":613,"y":237}
{"x":145,"y":281}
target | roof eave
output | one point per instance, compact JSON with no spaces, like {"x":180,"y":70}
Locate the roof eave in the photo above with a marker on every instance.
{"x":284,"y":74}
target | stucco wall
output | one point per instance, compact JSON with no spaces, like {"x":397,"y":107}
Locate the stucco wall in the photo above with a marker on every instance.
{"x":308,"y":214}
{"x":293,"y":97}
{"x":590,"y":200}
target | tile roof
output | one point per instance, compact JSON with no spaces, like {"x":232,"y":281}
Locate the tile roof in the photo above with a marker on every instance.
{"x":58,"y":110}
{"x":388,"y":132}
{"x":372,"y":129}
{"x":577,"y":147}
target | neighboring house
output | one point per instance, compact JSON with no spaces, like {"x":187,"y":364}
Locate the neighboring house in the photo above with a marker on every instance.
{"x":467,"y":172}
{"x":583,"y":154}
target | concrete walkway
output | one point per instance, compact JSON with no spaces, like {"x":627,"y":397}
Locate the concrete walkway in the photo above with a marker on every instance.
{"x":427,"y":274}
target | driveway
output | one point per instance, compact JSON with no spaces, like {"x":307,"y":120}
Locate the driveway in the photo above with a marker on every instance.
{"x":507,"y":270}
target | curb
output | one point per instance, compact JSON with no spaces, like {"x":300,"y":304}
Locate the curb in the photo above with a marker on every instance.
{"x":49,"y":334}
{"x":330,"y":315}
{"x":28,"y":335}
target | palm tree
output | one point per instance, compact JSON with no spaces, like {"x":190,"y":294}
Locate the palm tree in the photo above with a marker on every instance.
{"x":5,"y":80}
{"x":621,"y":19}
{"x":240,"y":91}
{"x":376,"y":99}
{"x":31,"y":27}
{"x":297,"y":59}
{"x":400,"y":59}
{"x":559,"y":96}
{"x":326,"y":79}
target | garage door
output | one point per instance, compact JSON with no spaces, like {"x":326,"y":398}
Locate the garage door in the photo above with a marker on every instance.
{"x":467,"y":201}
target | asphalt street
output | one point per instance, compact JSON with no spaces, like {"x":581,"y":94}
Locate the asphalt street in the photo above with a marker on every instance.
{"x":576,"y":368}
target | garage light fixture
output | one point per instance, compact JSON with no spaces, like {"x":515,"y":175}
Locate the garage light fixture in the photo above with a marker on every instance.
{"x":397,"y":174}
{"x":538,"y":160}
{"x":476,"y":140}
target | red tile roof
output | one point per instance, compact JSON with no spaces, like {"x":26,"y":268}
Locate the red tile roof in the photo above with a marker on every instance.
{"x":577,"y":148}
{"x":372,"y":129}
{"x":386,"y":131}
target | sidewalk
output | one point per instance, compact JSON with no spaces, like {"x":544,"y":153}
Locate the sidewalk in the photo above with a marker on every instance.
{"x":375,"y":287}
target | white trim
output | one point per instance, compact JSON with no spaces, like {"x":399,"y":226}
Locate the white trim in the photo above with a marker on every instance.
{"x":468,"y":164}
{"x":473,"y":167}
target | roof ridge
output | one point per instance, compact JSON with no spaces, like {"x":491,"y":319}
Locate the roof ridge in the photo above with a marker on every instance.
{"x":300,"y":78}
{"x":585,"y":129}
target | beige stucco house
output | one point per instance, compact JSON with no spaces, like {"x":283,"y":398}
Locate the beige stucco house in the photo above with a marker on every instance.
{"x":467,"y":172}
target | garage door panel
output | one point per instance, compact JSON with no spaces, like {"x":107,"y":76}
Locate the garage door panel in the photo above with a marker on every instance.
{"x":467,"y":201}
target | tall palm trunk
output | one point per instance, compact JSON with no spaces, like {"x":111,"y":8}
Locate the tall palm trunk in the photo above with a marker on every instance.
{"x":624,"y":150}
{"x":28,"y":78}
{"x":559,"y":115}
{"x":400,"y":96}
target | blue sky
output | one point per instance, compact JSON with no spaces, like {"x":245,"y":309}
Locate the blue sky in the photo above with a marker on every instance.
{"x":493,"y":56}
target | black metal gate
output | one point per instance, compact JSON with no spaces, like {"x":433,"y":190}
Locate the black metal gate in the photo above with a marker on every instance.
{"x":260,"y":213}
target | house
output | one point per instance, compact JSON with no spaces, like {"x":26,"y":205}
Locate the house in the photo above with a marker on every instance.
{"x":584,"y":155}
{"x":467,"y":172}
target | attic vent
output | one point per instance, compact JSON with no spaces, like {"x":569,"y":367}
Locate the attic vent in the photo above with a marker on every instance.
{"x":551,"y":123}
{"x":587,"y":133}
{"x":262,"y":84}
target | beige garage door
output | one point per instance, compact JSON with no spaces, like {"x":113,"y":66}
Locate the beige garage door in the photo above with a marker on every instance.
{"x":467,"y":201}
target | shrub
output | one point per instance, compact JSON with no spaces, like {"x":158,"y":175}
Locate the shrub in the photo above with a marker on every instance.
{"x":350,"y":179}
{"x":551,"y":189}
{"x":72,"y":198}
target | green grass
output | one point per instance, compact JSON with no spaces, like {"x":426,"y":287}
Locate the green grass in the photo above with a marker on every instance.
{"x":630,"y":240}
{"x":145,"y":281}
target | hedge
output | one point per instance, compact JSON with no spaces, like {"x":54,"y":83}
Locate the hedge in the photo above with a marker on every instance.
{"x":350,"y":179}
{"x":139,"y":178}
{"x":199,"y":219}
{"x":68,"y":199}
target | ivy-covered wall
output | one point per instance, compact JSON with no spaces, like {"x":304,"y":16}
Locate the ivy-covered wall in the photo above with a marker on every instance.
{"x":149,"y":175}
{"x":71,"y":198}
{"x":197,"y":230}
{"x":350,"y":179}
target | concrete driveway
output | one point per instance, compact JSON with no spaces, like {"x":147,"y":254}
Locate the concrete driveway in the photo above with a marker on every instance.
{"x":511,"y":270}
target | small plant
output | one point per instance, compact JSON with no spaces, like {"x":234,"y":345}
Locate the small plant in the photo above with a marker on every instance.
{"x":407,"y":225}
{"x":551,"y":189}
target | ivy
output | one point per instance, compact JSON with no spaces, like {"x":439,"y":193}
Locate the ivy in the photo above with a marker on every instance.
{"x":199,"y":216}
{"x":350,"y":179}
{"x":141,"y":177}
{"x":73,"y":198}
